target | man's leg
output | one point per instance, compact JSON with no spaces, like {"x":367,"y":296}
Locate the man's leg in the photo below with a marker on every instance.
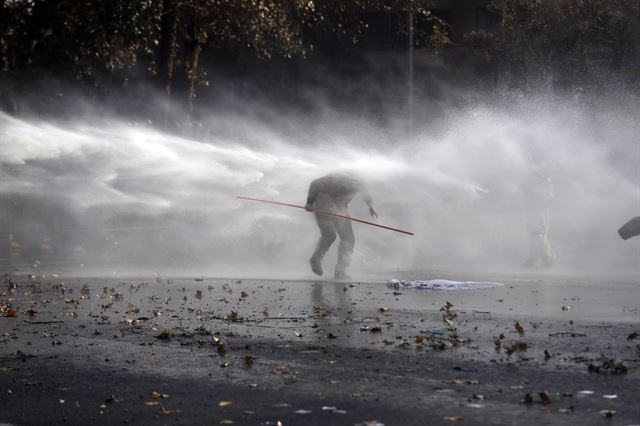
{"x":327,"y":237}
{"x":345,"y":251}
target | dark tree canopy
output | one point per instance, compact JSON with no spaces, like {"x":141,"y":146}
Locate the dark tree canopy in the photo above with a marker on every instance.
{"x":105,"y":42}
{"x":574,"y":39}
{"x":175,"y":44}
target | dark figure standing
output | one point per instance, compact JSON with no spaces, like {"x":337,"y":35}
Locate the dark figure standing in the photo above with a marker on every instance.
{"x":539,"y":193}
{"x":332,"y":193}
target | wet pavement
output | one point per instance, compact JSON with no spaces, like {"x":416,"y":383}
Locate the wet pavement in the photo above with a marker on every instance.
{"x":161,"y":350}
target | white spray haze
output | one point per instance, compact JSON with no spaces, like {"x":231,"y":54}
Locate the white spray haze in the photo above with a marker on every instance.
{"x":128,"y":197}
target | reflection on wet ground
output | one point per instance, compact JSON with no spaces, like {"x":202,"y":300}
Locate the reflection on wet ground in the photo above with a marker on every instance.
{"x":340,"y":313}
{"x":310,"y":335}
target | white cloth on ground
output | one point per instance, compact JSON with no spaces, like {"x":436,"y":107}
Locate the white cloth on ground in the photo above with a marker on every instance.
{"x":441,"y":284}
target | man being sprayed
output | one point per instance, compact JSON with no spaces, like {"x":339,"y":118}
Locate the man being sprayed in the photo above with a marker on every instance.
{"x":332,"y":193}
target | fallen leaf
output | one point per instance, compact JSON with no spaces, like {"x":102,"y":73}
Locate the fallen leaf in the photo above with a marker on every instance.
{"x":165,"y":335}
{"x":113,"y":399}
{"x":608,"y":413}
{"x":608,"y":364}
{"x":248,"y":360}
{"x":544,"y":398}
{"x":158,"y":395}
{"x":163,"y":410}
{"x":223,"y":404}
{"x":454,"y":418}
{"x":516,"y":347}
{"x":222,"y":349}
{"x":519,"y":328}
{"x":447,"y":306}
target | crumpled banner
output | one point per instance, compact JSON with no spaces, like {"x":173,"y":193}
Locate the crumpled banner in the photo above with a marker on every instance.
{"x":440,"y":284}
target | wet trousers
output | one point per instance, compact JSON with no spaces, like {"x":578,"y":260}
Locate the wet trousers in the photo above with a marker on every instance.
{"x":330,"y":227}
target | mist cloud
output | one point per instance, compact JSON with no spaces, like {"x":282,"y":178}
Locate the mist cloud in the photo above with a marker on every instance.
{"x":460,"y":185}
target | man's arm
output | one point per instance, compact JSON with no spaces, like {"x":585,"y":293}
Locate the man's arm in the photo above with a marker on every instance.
{"x":311,"y":197}
{"x":368,"y":200}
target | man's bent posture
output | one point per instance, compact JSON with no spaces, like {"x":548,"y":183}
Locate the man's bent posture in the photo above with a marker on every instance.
{"x":332,"y":193}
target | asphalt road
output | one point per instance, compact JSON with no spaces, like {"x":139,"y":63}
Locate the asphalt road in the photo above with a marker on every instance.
{"x":258,"y":352}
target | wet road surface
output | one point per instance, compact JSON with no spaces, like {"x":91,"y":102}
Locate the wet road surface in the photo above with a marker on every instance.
{"x":161,"y":350}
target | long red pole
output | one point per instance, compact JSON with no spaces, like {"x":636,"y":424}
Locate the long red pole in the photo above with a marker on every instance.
{"x":327,"y":214}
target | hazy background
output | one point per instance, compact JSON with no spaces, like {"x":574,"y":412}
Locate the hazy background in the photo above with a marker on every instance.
{"x":122,"y":195}
{"x":463,"y":153}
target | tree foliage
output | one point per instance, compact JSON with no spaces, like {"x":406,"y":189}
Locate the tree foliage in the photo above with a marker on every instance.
{"x":105,"y":42}
{"x":572,"y":38}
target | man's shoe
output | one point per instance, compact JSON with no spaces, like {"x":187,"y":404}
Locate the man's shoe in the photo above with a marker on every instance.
{"x":316,"y":266}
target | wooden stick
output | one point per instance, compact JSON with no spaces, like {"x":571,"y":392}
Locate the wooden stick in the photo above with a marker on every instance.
{"x":325,"y":213}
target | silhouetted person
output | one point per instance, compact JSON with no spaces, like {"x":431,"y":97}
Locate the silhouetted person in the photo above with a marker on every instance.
{"x":630,"y":229}
{"x":332,"y":193}
{"x":539,"y":194}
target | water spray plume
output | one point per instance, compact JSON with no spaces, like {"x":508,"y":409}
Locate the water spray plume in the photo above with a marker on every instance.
{"x":325,"y":213}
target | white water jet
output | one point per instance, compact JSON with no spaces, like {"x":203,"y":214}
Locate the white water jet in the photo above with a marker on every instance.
{"x":128,"y":197}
